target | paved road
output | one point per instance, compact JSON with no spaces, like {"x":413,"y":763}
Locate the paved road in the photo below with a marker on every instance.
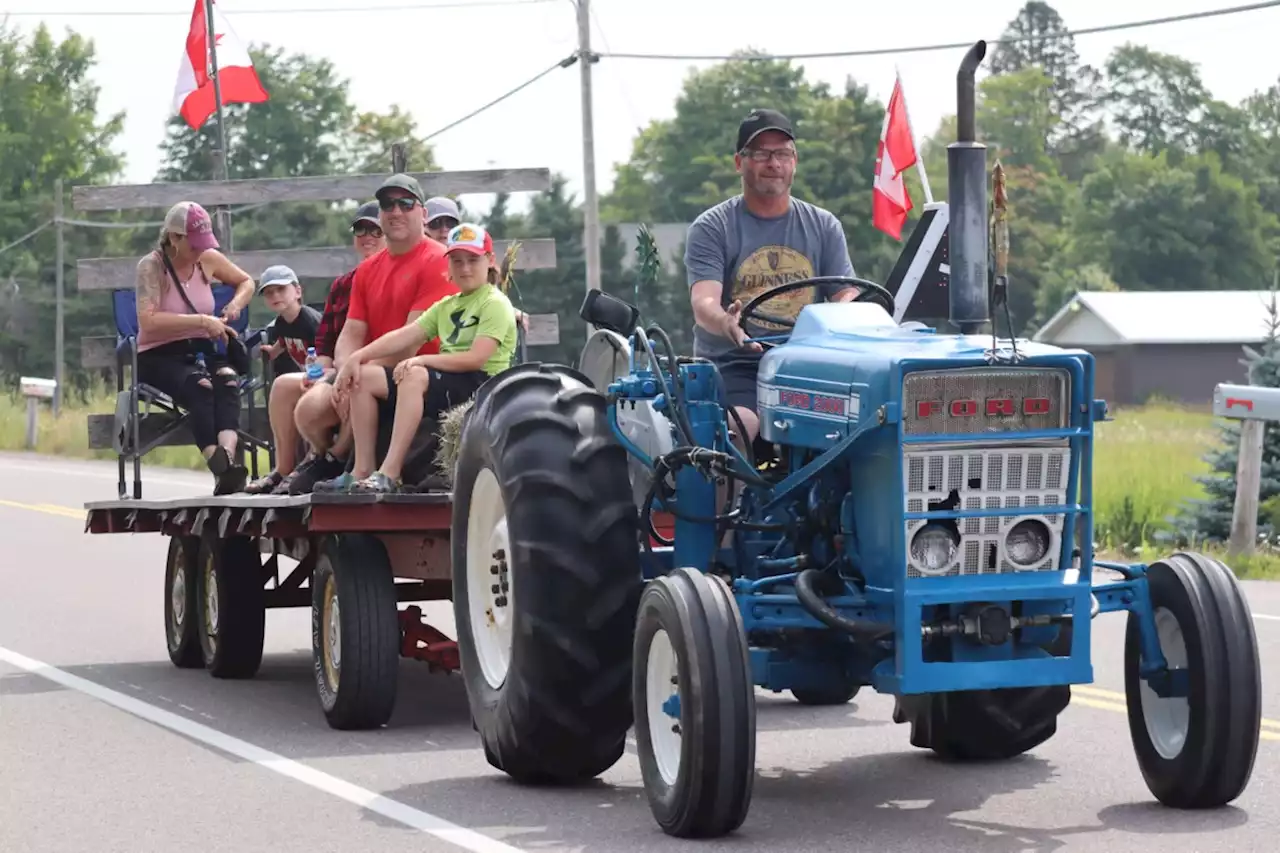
{"x":116,"y":750}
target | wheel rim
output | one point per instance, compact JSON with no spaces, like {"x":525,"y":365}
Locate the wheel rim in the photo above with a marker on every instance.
{"x":1168,"y":719}
{"x":211,"y":604}
{"x":178,"y":598}
{"x":662,"y":702}
{"x":489,"y":587}
{"x":331,"y":625}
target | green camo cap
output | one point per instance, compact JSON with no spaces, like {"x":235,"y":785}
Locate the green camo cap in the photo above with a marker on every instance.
{"x":403,"y":182}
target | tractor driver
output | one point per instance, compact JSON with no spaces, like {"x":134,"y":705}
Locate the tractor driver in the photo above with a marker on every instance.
{"x":753,"y":242}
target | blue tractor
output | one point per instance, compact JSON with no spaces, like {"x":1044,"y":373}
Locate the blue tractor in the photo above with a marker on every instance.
{"x":926,"y":530}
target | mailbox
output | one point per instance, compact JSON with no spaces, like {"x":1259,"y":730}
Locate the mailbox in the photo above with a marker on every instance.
{"x":1246,"y":402}
{"x":41,"y":389}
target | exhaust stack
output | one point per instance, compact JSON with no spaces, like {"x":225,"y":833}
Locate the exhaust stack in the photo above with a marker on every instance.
{"x":967,"y":203}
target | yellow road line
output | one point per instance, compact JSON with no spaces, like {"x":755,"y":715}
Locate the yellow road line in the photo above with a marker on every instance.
{"x":47,"y":509}
{"x":1104,"y":700}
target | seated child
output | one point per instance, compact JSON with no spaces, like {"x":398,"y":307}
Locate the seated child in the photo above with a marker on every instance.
{"x":294,"y":328}
{"x":477,"y":331}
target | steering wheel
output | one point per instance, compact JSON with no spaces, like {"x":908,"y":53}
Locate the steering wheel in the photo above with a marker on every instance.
{"x":870,"y":291}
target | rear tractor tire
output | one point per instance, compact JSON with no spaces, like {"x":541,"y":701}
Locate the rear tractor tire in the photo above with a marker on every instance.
{"x":544,"y":549}
{"x":355,"y":632}
{"x":986,"y":725}
{"x":1197,"y":751}
{"x":695,"y":706}
{"x":232,"y":606}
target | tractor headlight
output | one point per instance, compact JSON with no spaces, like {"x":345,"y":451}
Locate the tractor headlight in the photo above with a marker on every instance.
{"x":1027,"y":542}
{"x":934,"y":548}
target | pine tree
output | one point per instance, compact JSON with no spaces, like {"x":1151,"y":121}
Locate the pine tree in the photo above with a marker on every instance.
{"x":1210,"y":518}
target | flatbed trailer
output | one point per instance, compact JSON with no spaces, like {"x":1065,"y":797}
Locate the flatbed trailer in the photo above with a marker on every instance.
{"x":358,"y":558}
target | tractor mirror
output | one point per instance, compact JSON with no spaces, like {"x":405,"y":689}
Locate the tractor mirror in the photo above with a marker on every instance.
{"x":609,"y":312}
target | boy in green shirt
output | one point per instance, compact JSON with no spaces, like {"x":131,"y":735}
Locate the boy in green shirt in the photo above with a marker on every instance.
{"x":477,"y":331}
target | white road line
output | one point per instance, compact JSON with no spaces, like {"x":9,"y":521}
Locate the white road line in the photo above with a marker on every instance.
{"x":413,"y":818}
{"x":1265,"y":617}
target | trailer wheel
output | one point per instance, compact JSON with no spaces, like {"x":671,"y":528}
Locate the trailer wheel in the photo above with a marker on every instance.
{"x":986,"y":725}
{"x":182,"y":602}
{"x":695,"y":706}
{"x":1198,"y":750}
{"x":355,"y":632}
{"x":232,"y":607}
{"x":546,"y":575}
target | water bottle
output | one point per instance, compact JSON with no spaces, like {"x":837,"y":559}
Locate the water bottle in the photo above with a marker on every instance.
{"x":315,"y":372}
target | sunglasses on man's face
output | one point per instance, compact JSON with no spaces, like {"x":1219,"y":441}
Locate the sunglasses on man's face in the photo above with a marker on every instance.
{"x":366,"y":231}
{"x":442,"y":224}
{"x":405,"y":203}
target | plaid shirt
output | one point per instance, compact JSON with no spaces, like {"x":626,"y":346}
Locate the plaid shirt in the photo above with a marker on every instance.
{"x":335,"y":314}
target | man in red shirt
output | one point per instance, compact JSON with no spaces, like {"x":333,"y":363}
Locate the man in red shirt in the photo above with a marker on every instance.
{"x":389,"y":289}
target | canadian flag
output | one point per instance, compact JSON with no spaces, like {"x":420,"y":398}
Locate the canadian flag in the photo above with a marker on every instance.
{"x":193,"y":97}
{"x":896,"y":154}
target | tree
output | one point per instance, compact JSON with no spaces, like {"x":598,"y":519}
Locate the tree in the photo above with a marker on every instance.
{"x":1156,"y":100}
{"x":50,"y":128}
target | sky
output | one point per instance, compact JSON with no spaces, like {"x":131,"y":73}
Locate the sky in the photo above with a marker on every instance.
{"x":441,"y":63}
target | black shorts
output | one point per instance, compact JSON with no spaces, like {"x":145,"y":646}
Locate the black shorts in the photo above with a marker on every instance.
{"x":739,"y":380}
{"x":446,"y":390}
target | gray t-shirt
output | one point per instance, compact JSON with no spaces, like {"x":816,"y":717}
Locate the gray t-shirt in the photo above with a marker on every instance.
{"x":749,"y":254}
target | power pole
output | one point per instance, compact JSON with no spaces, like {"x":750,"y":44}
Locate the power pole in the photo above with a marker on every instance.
{"x":59,"y":341}
{"x":222,"y":213}
{"x":590,"y":199}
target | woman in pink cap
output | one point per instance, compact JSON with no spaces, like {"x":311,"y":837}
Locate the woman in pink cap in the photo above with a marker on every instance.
{"x":177,"y":333}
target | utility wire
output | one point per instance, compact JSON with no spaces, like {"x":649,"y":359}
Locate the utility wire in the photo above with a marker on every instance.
{"x":24,"y":238}
{"x":564,"y":63}
{"x":404,"y":7}
{"x":1170,"y":19}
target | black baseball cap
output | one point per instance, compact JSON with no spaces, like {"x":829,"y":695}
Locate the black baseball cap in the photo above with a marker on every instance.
{"x":402,"y":182}
{"x":758,"y":121}
{"x":367,"y":212}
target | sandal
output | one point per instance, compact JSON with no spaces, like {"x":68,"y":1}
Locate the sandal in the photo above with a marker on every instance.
{"x":265,"y":485}
{"x":341,"y":483}
{"x":377,"y":483}
{"x":229,"y":477}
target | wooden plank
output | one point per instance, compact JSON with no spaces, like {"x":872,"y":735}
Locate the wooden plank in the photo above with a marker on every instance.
{"x":314,"y":188}
{"x":98,"y":351}
{"x":1244,"y":515}
{"x":322,"y":262}
{"x":101,"y":427}
{"x":544,"y":330}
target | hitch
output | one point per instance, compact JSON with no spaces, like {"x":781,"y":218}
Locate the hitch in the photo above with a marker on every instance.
{"x":437,"y":651}
{"x":990,"y":624}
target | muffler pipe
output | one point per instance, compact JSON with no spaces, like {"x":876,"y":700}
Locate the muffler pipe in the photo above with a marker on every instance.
{"x":967,"y":289}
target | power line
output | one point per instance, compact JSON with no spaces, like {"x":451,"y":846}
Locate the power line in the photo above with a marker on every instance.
{"x":1170,"y":19}
{"x":404,"y":7}
{"x":564,"y":63}
{"x":25,"y":237}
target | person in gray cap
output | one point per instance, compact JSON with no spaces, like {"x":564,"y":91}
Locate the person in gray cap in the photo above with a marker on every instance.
{"x":366,"y":240}
{"x":442,"y":217}
{"x":295,"y":325}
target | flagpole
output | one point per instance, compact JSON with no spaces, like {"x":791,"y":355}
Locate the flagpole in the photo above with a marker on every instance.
{"x":219,"y":153}
{"x":906,"y":111}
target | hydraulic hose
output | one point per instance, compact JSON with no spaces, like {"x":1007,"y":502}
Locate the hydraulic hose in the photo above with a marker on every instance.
{"x":807,"y":585}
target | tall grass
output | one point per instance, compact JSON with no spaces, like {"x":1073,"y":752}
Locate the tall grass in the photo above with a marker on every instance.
{"x":1145,"y":467}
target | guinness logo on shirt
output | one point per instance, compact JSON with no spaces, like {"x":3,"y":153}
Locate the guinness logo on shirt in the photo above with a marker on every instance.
{"x":766,"y":268}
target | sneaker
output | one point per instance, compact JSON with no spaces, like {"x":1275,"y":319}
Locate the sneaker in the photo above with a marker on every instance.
{"x":228,"y":477}
{"x":303,"y":481}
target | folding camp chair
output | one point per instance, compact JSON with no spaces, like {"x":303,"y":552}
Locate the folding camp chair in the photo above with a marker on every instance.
{"x":161,"y":416}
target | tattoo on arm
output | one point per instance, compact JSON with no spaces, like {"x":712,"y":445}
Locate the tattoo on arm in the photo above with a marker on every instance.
{"x":148,"y":287}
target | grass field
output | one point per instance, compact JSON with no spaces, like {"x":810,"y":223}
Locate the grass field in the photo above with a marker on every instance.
{"x":1146,"y":465}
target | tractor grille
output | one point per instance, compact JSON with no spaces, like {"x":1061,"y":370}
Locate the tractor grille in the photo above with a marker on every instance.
{"x":965,"y":478}
{"x":952,"y":402}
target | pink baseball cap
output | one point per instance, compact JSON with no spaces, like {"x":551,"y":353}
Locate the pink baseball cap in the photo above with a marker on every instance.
{"x":468,"y":237}
{"x":191,"y":220}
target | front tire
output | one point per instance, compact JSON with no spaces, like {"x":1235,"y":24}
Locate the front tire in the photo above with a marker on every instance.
{"x":695,"y":706}
{"x":355,"y":632}
{"x":1197,"y":751}
{"x":544,"y":549}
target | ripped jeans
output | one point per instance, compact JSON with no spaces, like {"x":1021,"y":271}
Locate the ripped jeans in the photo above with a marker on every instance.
{"x":210,"y":394}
